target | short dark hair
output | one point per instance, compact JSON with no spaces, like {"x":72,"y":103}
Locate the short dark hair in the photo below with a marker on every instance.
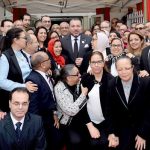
{"x":18,"y":89}
{"x":26,"y":14}
{"x":45,"y":16}
{"x":5,"y":20}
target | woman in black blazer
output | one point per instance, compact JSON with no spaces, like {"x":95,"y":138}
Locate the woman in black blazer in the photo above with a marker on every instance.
{"x":129,"y":107}
{"x":96,"y":122}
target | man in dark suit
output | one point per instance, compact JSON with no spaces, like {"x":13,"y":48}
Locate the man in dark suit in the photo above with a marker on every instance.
{"x":42,"y":102}
{"x":20,"y":130}
{"x":145,"y":59}
{"x":130,"y":107}
{"x":76,"y":44}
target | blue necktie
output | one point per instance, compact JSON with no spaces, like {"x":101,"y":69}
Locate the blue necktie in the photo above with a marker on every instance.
{"x":18,"y":130}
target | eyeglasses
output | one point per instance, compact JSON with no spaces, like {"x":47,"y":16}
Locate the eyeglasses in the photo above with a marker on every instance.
{"x":140,"y":28}
{"x":75,"y":74}
{"x":115,"y":45}
{"x":17,"y":104}
{"x":46,"y":21}
{"x":23,"y":38}
{"x":104,"y":27}
{"x":93,"y":63}
{"x":45,"y":60}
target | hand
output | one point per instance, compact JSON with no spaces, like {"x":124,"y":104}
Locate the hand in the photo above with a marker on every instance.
{"x":84,"y":90}
{"x":49,"y":72}
{"x":143,"y":73}
{"x":140,"y":143}
{"x":56,"y":121}
{"x":113,"y":140}
{"x":78,"y":61}
{"x":2,"y":115}
{"x":31,"y":87}
{"x":130,"y":55}
{"x":94,"y":132}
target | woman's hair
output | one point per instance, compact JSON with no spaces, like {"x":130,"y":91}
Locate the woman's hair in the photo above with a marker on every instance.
{"x":65,"y":72}
{"x":36,"y":34}
{"x":8,"y":40}
{"x":140,"y":35}
{"x":96,"y":53}
{"x":50,"y":33}
{"x":117,"y":33}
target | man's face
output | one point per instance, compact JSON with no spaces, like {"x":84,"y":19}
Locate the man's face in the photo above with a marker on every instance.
{"x":19,"y":104}
{"x":75,"y":27}
{"x":26,"y":21}
{"x":105,"y":26}
{"x":46,"y":22}
{"x":7,"y":26}
{"x":64,"y":29}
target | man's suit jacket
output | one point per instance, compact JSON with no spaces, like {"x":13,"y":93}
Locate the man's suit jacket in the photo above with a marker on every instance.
{"x":145,"y":64}
{"x":32,"y":134}
{"x":134,"y":114}
{"x":85,"y":46}
{"x":41,"y":101}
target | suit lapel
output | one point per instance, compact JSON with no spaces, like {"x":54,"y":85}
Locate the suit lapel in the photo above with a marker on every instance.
{"x":82,"y":44}
{"x":9,"y":127}
{"x":134,"y":88}
{"x":120,"y":92}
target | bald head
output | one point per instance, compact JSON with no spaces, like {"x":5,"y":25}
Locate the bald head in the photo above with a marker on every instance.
{"x":40,"y":61}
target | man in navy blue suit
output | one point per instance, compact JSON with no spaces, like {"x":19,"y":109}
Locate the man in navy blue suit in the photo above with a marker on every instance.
{"x":42,"y":102}
{"x":20,"y":130}
{"x":74,"y":54}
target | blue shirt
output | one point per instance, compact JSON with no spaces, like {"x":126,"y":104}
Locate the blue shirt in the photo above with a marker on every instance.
{"x":7,"y":84}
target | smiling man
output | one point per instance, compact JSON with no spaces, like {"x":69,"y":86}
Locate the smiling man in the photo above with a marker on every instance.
{"x":19,"y":129}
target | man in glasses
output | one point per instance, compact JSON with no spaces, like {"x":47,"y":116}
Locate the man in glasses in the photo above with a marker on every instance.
{"x":46,"y":22}
{"x":42,"y":102}
{"x":19,"y":129}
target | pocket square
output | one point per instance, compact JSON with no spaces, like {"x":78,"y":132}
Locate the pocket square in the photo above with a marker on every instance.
{"x":86,"y":45}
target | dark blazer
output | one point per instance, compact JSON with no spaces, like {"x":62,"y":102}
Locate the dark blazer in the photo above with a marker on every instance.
{"x":89,"y":81}
{"x":85,"y":46}
{"x":43,"y":104}
{"x":145,"y":58}
{"x":14,"y":74}
{"x":41,"y":101}
{"x":32,"y":134}
{"x":134,"y":115}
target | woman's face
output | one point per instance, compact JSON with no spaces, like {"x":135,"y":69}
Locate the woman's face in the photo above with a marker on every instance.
{"x":112,"y":36}
{"x":96,"y":29}
{"x":57,"y":48}
{"x":124,"y":69}
{"x":42,"y":35}
{"x":135,"y":42}
{"x":125,"y":37}
{"x":116,"y":47}
{"x":54,"y":36}
{"x":94,"y":42}
{"x":96,"y":64}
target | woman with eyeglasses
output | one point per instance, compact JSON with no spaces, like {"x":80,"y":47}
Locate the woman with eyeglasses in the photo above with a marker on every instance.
{"x":129,"y":107}
{"x":14,"y":67}
{"x":70,"y":102}
{"x":96,"y":124}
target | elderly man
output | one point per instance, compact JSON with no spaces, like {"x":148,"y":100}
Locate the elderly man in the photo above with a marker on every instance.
{"x":42,"y":102}
{"x":19,"y":129}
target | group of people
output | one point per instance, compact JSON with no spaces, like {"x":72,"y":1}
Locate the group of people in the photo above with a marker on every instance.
{"x":65,"y":88}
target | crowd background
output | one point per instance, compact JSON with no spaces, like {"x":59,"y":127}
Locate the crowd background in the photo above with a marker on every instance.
{"x":90,"y":87}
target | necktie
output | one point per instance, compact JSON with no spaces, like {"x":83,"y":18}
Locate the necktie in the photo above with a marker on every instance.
{"x":75,"y":48}
{"x":28,"y":60}
{"x":18,"y":130}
